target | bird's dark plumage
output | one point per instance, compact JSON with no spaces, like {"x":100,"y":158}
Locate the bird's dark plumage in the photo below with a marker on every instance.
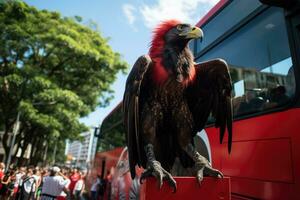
{"x":168,"y":99}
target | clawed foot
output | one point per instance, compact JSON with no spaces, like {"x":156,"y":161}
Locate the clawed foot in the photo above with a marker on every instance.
{"x":154,"y":169}
{"x":205,"y":168}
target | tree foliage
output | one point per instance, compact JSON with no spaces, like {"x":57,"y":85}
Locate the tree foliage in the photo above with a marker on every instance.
{"x":53,"y":71}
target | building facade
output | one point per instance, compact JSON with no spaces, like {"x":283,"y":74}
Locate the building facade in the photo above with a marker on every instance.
{"x":80,"y":153}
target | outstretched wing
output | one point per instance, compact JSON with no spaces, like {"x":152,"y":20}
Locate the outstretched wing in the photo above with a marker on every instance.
{"x":211,"y":93}
{"x":131,"y":110}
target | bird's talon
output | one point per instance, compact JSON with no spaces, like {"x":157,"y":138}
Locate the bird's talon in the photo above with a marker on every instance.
{"x":200,"y":176}
{"x":208,"y":170}
{"x":171,"y":182}
{"x":205,"y":168}
{"x":154,"y":169}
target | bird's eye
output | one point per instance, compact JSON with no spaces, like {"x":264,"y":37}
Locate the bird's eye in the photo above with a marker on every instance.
{"x":179,"y":27}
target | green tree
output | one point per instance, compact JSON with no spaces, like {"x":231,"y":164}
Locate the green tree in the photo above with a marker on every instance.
{"x":53,"y":70}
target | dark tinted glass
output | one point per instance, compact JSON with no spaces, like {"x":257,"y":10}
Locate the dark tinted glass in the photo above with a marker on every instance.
{"x":260,"y":63}
{"x":112,"y":133}
{"x":226,"y":19}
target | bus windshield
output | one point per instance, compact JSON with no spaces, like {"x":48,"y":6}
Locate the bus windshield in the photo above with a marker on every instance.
{"x":112,"y":131}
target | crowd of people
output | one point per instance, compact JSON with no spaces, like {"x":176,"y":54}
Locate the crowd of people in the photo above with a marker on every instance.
{"x":35,"y":183}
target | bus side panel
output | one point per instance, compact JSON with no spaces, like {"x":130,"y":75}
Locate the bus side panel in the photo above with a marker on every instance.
{"x":264,"y":155}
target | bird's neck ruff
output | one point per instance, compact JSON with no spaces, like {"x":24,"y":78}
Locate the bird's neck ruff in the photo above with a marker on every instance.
{"x":160,"y":73}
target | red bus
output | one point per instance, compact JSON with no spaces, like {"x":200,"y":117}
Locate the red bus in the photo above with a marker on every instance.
{"x":261,"y":44}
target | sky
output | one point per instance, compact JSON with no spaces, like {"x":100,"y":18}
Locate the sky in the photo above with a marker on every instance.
{"x":129,"y":25}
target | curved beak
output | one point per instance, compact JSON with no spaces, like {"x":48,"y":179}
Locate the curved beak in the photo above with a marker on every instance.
{"x":194,"y":33}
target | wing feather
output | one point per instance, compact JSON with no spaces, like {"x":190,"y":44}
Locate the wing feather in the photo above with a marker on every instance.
{"x":131,"y":110}
{"x":211,"y":93}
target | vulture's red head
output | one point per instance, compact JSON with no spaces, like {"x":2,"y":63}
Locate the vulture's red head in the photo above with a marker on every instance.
{"x":170,"y":53}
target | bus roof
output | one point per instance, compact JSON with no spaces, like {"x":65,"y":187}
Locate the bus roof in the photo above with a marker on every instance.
{"x":119,"y":106}
{"x":113,"y":110}
{"x":212,"y":12}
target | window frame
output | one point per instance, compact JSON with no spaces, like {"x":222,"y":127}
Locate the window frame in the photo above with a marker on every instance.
{"x":294,"y":102}
{"x":292,"y":20}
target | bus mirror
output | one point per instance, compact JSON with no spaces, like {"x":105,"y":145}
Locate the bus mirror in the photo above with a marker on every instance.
{"x":279,"y":3}
{"x":96,"y":132}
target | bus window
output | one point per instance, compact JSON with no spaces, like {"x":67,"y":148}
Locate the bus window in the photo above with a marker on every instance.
{"x":230,"y":16}
{"x":258,"y":55}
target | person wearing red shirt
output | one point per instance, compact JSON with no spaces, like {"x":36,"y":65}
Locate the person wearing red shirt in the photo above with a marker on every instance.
{"x":2,"y":168}
{"x":75,"y":176}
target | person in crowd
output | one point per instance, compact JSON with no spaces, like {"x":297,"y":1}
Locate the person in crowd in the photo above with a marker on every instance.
{"x":95,"y":188}
{"x":20,"y":174}
{"x":5,"y":182}
{"x":43,"y":173}
{"x":75,"y":176}
{"x":28,"y":186}
{"x":101,"y":188}
{"x":63,"y":195}
{"x":79,"y":187}
{"x":11,"y":185}
{"x":54,"y":184}
{"x":37,"y":179}
{"x":2,"y":169}
{"x":108,"y":180}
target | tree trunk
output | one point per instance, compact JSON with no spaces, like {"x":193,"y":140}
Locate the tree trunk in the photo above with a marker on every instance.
{"x":19,"y":138}
{"x":6,"y":140}
{"x":34,"y":148}
{"x":4,"y":144}
{"x":36,"y":156}
{"x":45,"y":155}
